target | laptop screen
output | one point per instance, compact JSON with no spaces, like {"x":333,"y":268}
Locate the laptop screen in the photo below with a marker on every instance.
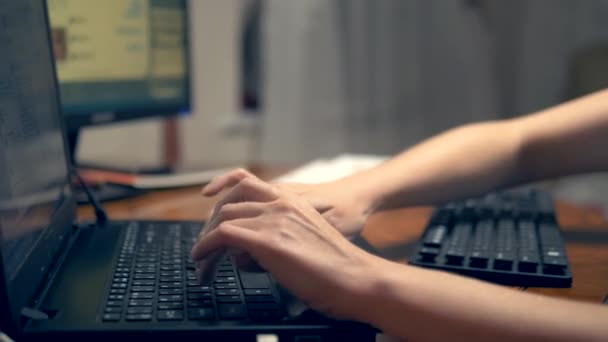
{"x":33,"y":167}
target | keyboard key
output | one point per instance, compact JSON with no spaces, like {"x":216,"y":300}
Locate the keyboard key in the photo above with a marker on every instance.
{"x":257,"y":292}
{"x":262,"y":306}
{"x":113,"y":303}
{"x":223,"y":286}
{"x":139,"y":317}
{"x":434,"y":236}
{"x":113,"y":309}
{"x":170,"y":306}
{"x":170,"y":315}
{"x":175,"y":291}
{"x":228,"y":299}
{"x":232,"y":311}
{"x":142,"y":288}
{"x":200,"y":303}
{"x":227,"y":292}
{"x":119,"y":286}
{"x":201,"y":314}
{"x":263,"y":315}
{"x":251,"y":280}
{"x":171,"y":285}
{"x":140,"y":302}
{"x":171,"y":298}
{"x":252,"y":299}
{"x":143,"y":282}
{"x":200,"y":295}
{"x":139,"y":310}
{"x":111,"y":317}
{"x":224,"y":280}
{"x":118,"y":291}
{"x":144,"y":276}
{"x":141,"y":295}
{"x":196,"y":289}
{"x":116,"y":297}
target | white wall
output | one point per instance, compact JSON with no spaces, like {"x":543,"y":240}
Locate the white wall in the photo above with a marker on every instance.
{"x":208,"y":136}
{"x":211,"y":134}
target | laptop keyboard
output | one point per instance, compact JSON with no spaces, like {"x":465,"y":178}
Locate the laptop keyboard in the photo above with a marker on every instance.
{"x":154,"y":280}
{"x":509,"y":237}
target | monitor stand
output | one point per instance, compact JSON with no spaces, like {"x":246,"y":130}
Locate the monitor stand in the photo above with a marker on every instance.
{"x":102,"y":192}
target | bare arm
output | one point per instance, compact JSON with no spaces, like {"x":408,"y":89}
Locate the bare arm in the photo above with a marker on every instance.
{"x":288,"y":237}
{"x":420,"y":304}
{"x":476,"y":158}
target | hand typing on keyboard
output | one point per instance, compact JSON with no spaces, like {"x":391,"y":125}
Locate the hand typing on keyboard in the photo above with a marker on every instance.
{"x":288,"y":237}
{"x":340,"y":203}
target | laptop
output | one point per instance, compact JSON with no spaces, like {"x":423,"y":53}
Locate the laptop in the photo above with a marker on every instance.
{"x":61,"y":280}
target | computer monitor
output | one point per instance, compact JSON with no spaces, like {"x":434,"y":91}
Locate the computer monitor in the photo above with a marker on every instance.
{"x":119,"y":60}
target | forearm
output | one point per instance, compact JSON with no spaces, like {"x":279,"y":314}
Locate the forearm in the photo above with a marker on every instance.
{"x":418,"y":304}
{"x":476,"y":158}
{"x":459,"y":163}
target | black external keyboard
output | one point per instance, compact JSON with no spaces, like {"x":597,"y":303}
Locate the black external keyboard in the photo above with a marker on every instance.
{"x":154,"y":280}
{"x":510,"y":238}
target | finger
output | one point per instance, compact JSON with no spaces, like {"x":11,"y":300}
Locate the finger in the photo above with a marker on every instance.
{"x":247,"y":190}
{"x":227,"y":235}
{"x":226,"y":180}
{"x":233,"y":211}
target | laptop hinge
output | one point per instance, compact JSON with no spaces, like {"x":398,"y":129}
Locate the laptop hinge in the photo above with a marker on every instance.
{"x":34,"y":314}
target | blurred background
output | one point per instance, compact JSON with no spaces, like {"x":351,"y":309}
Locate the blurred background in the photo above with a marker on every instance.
{"x":288,"y":81}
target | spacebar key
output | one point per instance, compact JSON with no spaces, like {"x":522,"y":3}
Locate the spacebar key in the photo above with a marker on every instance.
{"x":232,"y":311}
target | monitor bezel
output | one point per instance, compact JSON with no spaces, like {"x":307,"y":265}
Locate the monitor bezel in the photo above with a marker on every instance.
{"x":36,"y":268}
{"x":77,"y":120}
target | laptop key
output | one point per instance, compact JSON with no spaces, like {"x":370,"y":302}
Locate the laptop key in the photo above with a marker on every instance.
{"x":232,"y":311}
{"x":259,"y":299}
{"x":257,"y":292}
{"x":197,"y":289}
{"x":111,"y":317}
{"x":113,"y":309}
{"x":227,"y":292}
{"x":223,"y":286}
{"x":171,"y":298}
{"x":262,"y":315}
{"x":118,"y":291}
{"x":228,"y":299}
{"x":170,"y":315}
{"x":170,"y":285}
{"x":116,"y":297}
{"x":201,"y":314}
{"x":254,"y":280}
{"x":175,"y":291}
{"x":114,"y":303}
{"x":196,"y":303}
{"x":141,"y":295}
{"x":225,"y":280}
{"x":200,"y":295}
{"x":139,"y":317}
{"x":263,"y":306}
{"x":140,"y":302}
{"x":143,"y":282}
{"x":170,"y":306}
{"x":139,"y":310}
{"x":142,"y":288}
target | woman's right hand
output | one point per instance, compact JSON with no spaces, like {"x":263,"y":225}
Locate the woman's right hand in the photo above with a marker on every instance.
{"x":335,"y":201}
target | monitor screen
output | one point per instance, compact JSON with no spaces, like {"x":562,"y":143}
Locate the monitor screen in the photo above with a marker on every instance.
{"x":34,"y":188}
{"x":120,"y":59}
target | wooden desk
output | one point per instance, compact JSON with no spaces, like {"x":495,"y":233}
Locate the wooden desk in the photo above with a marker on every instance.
{"x":394,"y":233}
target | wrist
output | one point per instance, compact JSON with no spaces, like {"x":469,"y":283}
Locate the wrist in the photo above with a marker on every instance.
{"x":376,"y":285}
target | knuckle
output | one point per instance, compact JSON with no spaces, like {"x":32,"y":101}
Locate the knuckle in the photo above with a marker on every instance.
{"x":224,"y":231}
{"x":241,"y":173}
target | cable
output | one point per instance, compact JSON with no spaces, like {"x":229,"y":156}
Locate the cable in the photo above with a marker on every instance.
{"x":100,"y":213}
